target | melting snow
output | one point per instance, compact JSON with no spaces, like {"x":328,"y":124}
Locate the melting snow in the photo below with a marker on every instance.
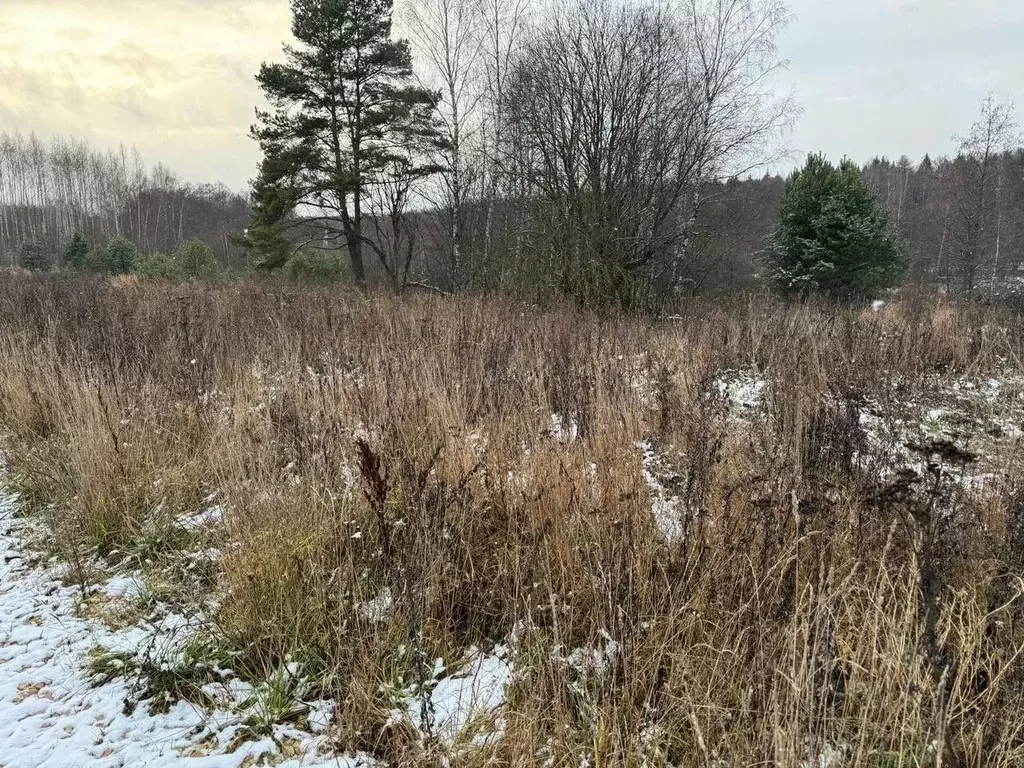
{"x":742,"y":390}
{"x":564,"y":429}
{"x":127,"y":587}
{"x":476,"y":690}
{"x":668,"y":509}
{"x":51,"y":716}
{"x":208,"y":518}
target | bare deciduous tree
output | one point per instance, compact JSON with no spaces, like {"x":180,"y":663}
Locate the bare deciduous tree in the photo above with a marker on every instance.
{"x":974,"y":177}
{"x":49,"y":191}
{"x":449,"y":40}
{"x":615,"y":114}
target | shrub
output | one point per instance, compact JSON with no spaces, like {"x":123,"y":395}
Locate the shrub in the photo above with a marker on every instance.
{"x":77,"y":251}
{"x":195,"y":259}
{"x":33,"y":256}
{"x":833,"y":236}
{"x":158,"y":265}
{"x":120,"y":256}
{"x":315,"y":266}
{"x":96,"y":261}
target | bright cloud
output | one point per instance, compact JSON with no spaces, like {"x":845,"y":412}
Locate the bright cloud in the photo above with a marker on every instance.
{"x":176,"y":77}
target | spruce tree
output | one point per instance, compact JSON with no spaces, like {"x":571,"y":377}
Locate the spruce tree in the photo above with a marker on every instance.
{"x":344,"y":110}
{"x":120,"y":256}
{"x":75,"y":254}
{"x":196,"y":259}
{"x":33,"y":256}
{"x":833,"y":236}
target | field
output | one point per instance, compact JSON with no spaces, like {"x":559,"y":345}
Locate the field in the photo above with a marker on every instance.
{"x":472,"y":532}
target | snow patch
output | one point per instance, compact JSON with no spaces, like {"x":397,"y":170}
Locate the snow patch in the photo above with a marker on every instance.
{"x":52,"y":716}
{"x":668,"y":509}
{"x":456,"y":701}
{"x":564,"y":429}
{"x":208,"y":518}
{"x":378,"y":609}
{"x":743,"y":390}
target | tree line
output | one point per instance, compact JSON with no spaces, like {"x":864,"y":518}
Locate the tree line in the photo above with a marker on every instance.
{"x":960,"y":218}
{"x":603,"y":150}
{"x":51,"y":192}
{"x":606,"y":151}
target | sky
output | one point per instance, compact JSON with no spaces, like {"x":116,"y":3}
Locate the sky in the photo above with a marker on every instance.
{"x":175,"y":78}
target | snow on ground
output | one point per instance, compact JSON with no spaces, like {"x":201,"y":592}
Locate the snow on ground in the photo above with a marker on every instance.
{"x":668,"y":509}
{"x":743,"y":391}
{"x":971,"y":428}
{"x":564,"y":429}
{"x":51,"y":716}
{"x":455,"y":703}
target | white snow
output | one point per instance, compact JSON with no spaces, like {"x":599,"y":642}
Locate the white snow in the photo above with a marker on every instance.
{"x":742,"y":390}
{"x":667,"y":508}
{"x":52,"y":717}
{"x":378,"y":609}
{"x":981,"y":416}
{"x":564,"y":429}
{"x":127,"y":587}
{"x":210,"y":517}
{"x":476,"y":690}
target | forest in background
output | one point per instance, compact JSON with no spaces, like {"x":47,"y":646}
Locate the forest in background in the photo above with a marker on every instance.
{"x":51,"y":190}
{"x":521,"y":152}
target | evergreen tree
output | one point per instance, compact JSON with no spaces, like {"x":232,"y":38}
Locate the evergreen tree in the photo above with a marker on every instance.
{"x":344,"y":111}
{"x":195,"y":259}
{"x":157,"y":265}
{"x":33,"y":256}
{"x":75,"y":254}
{"x":833,"y":236}
{"x":120,"y":256}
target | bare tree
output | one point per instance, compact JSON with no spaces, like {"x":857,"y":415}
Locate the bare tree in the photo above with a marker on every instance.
{"x":975,"y":185}
{"x":449,"y":40}
{"x":390,"y":202}
{"x":615,"y":115}
{"x":49,"y":191}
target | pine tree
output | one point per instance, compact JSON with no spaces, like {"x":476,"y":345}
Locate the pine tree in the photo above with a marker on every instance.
{"x":33,"y":256}
{"x":196,"y":259}
{"x":344,"y":112}
{"x":833,"y":236}
{"x":120,"y":256}
{"x":75,"y":254}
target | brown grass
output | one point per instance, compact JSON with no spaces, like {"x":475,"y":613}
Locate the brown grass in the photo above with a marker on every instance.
{"x":362,"y":443}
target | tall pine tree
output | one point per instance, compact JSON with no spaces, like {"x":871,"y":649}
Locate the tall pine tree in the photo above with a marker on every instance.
{"x":344,"y":112}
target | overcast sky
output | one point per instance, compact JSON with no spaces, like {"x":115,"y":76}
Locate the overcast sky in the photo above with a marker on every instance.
{"x":175,"y":77}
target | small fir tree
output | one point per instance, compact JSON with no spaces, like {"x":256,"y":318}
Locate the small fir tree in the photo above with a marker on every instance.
{"x":120,"y":256}
{"x":157,"y":265}
{"x":75,"y":254}
{"x":196,"y":259}
{"x":33,"y":256}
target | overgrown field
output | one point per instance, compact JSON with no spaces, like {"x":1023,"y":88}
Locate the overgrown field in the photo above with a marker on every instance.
{"x":753,"y":534}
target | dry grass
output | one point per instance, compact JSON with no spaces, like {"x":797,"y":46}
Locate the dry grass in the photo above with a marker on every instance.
{"x":815,"y":605}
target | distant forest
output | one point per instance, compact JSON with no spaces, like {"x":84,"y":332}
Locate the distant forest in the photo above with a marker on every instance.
{"x":938,"y":205}
{"x":50,"y":191}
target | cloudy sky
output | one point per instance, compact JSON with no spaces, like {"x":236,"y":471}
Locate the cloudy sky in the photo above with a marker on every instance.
{"x":175,"y":77}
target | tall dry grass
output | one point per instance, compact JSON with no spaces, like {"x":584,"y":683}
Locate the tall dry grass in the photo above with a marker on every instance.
{"x":812,"y":609}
